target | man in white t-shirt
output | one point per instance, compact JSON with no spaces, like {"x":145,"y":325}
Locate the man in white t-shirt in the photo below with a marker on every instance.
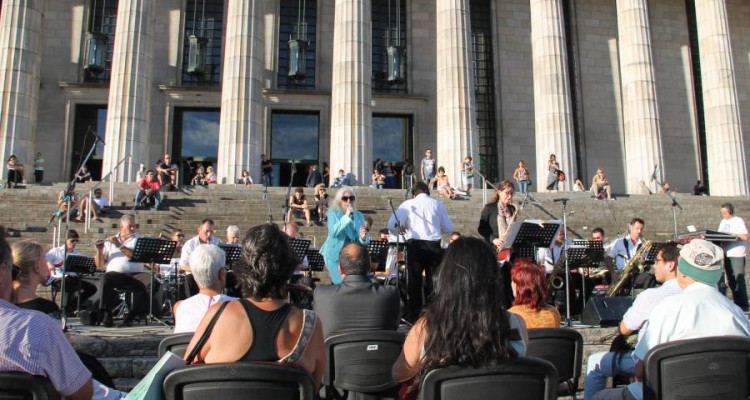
{"x":205,"y":235}
{"x":115,"y":253}
{"x":55,"y":258}
{"x":736,"y":250}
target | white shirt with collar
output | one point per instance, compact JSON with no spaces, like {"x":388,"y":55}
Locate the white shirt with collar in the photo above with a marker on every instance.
{"x":191,"y":245}
{"x":623,"y":250}
{"x":638,"y":313}
{"x":735,"y":226}
{"x":424,"y":217}
{"x":117,"y":261}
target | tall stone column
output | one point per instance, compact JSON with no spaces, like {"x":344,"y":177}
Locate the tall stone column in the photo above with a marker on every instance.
{"x":553,"y":118}
{"x":640,"y":113}
{"x":351,"y":91}
{"x":128,"y":116}
{"x":20,"y":64}
{"x":241,"y":96}
{"x":456,"y":115}
{"x":727,"y":171}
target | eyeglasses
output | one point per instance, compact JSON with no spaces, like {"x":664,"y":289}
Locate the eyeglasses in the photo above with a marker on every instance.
{"x":348,"y":198}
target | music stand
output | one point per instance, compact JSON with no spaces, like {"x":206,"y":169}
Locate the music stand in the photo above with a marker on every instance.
{"x":650,"y":256}
{"x":526,"y":236}
{"x":376,"y":247}
{"x":153,"y":251}
{"x":300,"y":246}
{"x":78,"y":264}
{"x":232,"y":252}
{"x":315,"y":260}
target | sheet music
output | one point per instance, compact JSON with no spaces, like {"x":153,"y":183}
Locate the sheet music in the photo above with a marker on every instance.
{"x":516,"y":227}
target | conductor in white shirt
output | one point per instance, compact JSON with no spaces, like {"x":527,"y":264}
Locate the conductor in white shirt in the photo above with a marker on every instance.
{"x":425,"y":220}
{"x":736,"y":250}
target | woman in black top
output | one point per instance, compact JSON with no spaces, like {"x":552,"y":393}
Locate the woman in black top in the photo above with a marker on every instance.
{"x":29,"y":271}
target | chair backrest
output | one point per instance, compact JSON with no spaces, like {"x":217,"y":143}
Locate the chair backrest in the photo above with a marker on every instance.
{"x":563,"y":347}
{"x":361,"y":361}
{"x":175,"y":343}
{"x":23,"y":386}
{"x":519,"y":379}
{"x":704,"y":368}
{"x":239,"y":380}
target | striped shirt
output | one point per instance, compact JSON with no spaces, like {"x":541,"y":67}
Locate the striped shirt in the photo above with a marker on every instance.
{"x":644,"y":303}
{"x":33,"y":342}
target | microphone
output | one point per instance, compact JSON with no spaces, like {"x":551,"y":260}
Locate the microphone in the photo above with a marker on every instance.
{"x":96,"y":135}
{"x":563,"y":199}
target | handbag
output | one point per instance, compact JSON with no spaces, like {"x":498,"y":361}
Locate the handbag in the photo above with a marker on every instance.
{"x":150,"y":387}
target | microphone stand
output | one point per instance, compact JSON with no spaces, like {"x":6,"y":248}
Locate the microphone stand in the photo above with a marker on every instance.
{"x":268,"y":204}
{"x":399,"y":236}
{"x":564,"y":252}
{"x":675,"y":204}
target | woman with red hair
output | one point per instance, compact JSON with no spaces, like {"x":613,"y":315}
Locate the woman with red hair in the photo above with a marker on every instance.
{"x":530,"y":291}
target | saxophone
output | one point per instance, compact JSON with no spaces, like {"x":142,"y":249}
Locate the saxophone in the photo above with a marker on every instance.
{"x":556,"y":280}
{"x":627,"y":273}
{"x":503,"y":254}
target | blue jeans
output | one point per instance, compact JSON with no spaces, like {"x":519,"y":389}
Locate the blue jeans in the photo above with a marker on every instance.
{"x":267,"y":179}
{"x":139,"y":196}
{"x":523,"y":186}
{"x":602,"y":366}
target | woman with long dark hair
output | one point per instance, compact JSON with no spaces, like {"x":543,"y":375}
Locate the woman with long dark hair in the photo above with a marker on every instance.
{"x":465,"y":324}
{"x":529,"y":286}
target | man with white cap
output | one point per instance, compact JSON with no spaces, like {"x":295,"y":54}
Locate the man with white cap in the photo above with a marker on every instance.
{"x":699,"y":311}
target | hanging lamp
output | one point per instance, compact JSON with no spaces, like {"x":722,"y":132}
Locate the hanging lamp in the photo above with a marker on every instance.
{"x":396,"y":59}
{"x":197,"y":45}
{"x":95,"y":48}
{"x":298,"y":45}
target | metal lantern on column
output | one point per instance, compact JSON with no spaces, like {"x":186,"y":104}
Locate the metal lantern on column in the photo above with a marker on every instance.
{"x":396,"y":64}
{"x":95,"y":49}
{"x":197,"y":45}
{"x":298,"y":45}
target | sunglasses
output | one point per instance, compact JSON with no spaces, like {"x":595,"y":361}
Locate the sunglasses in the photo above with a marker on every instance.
{"x":348,"y":198}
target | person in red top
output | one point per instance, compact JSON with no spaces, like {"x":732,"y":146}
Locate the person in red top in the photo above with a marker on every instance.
{"x":149,"y":186}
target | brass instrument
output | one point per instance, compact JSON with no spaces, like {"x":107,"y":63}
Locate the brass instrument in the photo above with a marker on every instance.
{"x":627,"y":272}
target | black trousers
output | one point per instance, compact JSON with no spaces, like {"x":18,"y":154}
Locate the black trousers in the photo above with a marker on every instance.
{"x":71,"y":291}
{"x":108,"y":298}
{"x":422,"y":256}
{"x":233,"y":288}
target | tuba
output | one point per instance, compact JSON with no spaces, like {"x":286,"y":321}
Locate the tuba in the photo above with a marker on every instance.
{"x":503,"y":253}
{"x":627,"y":273}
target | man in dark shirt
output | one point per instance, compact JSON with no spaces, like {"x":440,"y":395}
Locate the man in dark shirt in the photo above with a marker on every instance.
{"x":167,"y":171}
{"x":356,"y":304}
{"x":266,"y":168}
{"x":314,"y":177}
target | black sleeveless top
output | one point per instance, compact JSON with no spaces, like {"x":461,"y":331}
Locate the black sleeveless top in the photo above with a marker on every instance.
{"x":265,"y":326}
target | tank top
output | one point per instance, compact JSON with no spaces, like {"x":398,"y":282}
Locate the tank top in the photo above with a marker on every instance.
{"x":265,"y":326}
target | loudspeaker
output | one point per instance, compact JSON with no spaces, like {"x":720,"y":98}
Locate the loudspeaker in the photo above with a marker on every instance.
{"x":605,"y":311}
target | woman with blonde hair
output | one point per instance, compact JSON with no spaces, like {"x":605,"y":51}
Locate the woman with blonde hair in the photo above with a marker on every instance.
{"x":29,"y":271}
{"x":321,"y":201}
{"x":345,"y":225}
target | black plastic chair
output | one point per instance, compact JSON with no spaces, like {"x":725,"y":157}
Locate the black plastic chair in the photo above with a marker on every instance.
{"x":360,"y":363}
{"x":563,"y":347}
{"x":23,"y":386}
{"x":239,"y":381}
{"x":704,"y":368}
{"x":175,"y":343}
{"x":519,"y":379}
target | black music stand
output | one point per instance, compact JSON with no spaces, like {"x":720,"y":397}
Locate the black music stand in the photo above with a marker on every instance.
{"x":153,"y":251}
{"x":315,"y":260}
{"x":376,"y":247}
{"x":78,"y":264}
{"x":650,"y":256}
{"x":526,"y":236}
{"x":300,"y":246}
{"x":232,"y":252}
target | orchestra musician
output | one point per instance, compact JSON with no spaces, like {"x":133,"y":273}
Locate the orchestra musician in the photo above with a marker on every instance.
{"x":494,"y":225}
{"x":734,"y":262}
{"x":115,"y":252}
{"x":625,"y":248}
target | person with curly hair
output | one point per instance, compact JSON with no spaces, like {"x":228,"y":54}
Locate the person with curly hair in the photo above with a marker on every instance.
{"x":263,"y":326}
{"x":530,"y":295}
{"x":465,"y":324}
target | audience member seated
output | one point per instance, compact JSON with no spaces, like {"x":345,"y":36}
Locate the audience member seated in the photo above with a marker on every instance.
{"x":245,"y":178}
{"x":529,"y":285}
{"x":167,"y":171}
{"x":30,"y":271}
{"x":321,"y":202}
{"x":83,"y":174}
{"x":66,"y":199}
{"x":55,"y":258}
{"x":443,"y":185}
{"x":700,"y":189}
{"x":644,"y":188}
{"x":298,"y":206}
{"x":210,"y":176}
{"x":101,"y":202}
{"x":207,"y":262}
{"x":15,"y":171}
{"x":148,"y":188}
{"x":578,"y":186}
{"x":699,"y":311}
{"x":199,"y":179}
{"x":84,"y":209}
{"x":666,"y":187}
{"x":357,"y":303}
{"x":600,"y":185}
{"x":342,"y":180}
{"x":465,"y":324}
{"x":115,"y":254}
{"x":378,"y":180}
{"x":263,"y":326}
{"x":35,"y":344}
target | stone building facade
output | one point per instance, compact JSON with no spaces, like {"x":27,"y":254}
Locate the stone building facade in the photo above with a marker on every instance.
{"x":626,"y":85}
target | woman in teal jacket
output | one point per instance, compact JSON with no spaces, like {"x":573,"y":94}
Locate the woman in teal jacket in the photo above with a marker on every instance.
{"x":345,"y":225}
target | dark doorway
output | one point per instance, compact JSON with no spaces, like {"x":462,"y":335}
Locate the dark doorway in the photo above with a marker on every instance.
{"x":195,"y":140}
{"x":90,"y":120}
{"x":392,"y":141}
